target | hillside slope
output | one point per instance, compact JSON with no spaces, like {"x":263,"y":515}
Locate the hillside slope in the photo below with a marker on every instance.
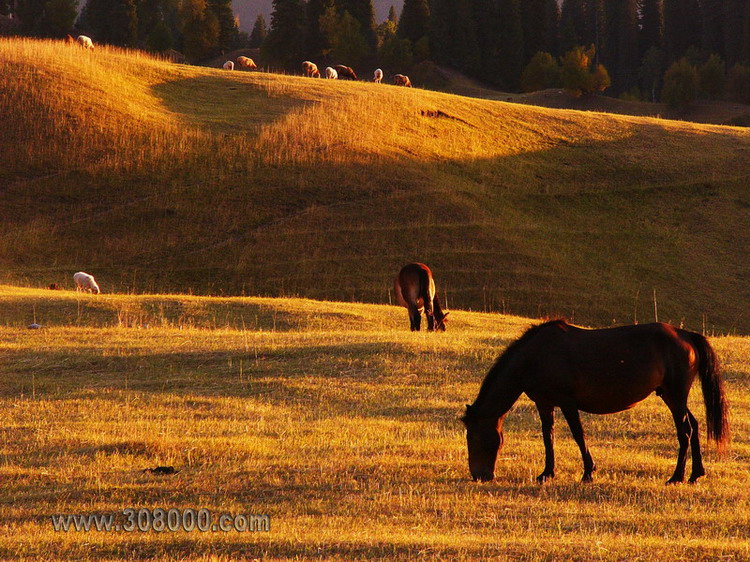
{"x":159,"y":177}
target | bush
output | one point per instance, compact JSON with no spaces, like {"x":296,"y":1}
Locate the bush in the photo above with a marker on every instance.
{"x":396,"y":54}
{"x":541,"y":73}
{"x":578,"y":76}
{"x":712,"y":78}
{"x":680,"y":85}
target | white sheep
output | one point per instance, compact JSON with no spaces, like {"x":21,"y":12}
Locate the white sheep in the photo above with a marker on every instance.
{"x":378,"y":76}
{"x":86,"y":282}
{"x":229,"y":65}
{"x":331,"y":73}
{"x":246,"y":62}
{"x":85,"y":42}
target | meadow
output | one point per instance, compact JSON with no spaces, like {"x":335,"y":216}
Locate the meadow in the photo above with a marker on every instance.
{"x":337,"y":422}
{"x":159,"y":177}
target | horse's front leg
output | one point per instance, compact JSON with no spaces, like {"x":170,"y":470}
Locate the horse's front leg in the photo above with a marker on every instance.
{"x":574,"y":421}
{"x":547,"y":415}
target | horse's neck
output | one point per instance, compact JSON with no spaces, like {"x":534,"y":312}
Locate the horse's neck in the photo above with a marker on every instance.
{"x":498,"y":394}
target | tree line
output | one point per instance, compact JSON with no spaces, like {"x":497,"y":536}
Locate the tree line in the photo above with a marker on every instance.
{"x":636,"y":48}
{"x":198,"y":28}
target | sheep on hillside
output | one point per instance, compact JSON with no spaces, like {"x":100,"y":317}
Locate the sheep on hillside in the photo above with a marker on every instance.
{"x":229,"y":65}
{"x":85,"y":282}
{"x":246,"y":62}
{"x":331,"y":74}
{"x":85,"y":42}
{"x":378,"y":76}
{"x":310,"y":69}
{"x":401,"y":80}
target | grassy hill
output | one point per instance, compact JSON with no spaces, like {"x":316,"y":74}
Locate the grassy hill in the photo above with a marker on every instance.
{"x":158,"y":177}
{"x":340,"y":424}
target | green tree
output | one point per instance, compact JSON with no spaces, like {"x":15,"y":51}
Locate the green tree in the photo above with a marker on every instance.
{"x":680,"y":85}
{"x":384,"y":31}
{"x":200,"y":30}
{"x":59,"y":17}
{"x":30,"y":13}
{"x":580,"y":75}
{"x":414,"y":21}
{"x":160,"y":38}
{"x":112,"y":21}
{"x":364,"y":13}
{"x":396,"y":54}
{"x":392,"y":15}
{"x":259,"y":32}
{"x":228,"y":29}
{"x":620,"y":45}
{"x":541,"y":73}
{"x":682,"y":27}
{"x":651,"y":72}
{"x":712,"y":77}
{"x":316,"y":41}
{"x":739,"y":83}
{"x":509,"y":44}
{"x":285,"y":43}
{"x":348,"y":45}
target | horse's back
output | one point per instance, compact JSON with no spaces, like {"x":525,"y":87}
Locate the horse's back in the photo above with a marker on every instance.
{"x":606,"y":370}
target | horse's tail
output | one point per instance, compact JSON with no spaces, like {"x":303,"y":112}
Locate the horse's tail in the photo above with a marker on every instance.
{"x":712,"y":384}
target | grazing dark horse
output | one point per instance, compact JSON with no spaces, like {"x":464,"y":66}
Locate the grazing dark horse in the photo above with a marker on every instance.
{"x":601,"y":372}
{"x":345,"y":72}
{"x":415,"y":289}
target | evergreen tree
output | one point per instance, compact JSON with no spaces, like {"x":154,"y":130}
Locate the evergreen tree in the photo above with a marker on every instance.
{"x":712,"y":23}
{"x":489,"y":30}
{"x":348,"y":45}
{"x":572,"y":16}
{"x":228,"y":30}
{"x":535,"y":27}
{"x":621,"y":44}
{"x":200,"y":30}
{"x":510,"y":44}
{"x":682,"y":27}
{"x":111,"y":21}
{"x":651,"y":73}
{"x":259,"y":32}
{"x":414,"y":21}
{"x":149,"y":15}
{"x":285,"y":43}
{"x":364,"y":13}
{"x":651,"y":23}
{"x":552,"y":19}
{"x":712,"y":77}
{"x":734,"y":19}
{"x":453,"y":38}
{"x":316,"y":42}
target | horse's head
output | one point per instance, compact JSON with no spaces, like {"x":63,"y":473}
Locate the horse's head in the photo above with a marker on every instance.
{"x":484,"y":439}
{"x":440,"y":322}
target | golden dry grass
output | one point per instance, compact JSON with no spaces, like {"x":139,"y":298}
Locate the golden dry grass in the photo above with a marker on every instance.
{"x":161,"y":177}
{"x":336,"y":421}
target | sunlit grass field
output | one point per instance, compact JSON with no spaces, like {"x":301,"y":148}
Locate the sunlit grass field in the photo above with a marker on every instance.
{"x":158,"y":177}
{"x":340,"y":424}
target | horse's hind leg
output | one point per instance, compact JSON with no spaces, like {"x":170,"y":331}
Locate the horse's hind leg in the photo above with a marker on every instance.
{"x":574,"y":421}
{"x":683,"y":426}
{"x":415,"y":318}
{"x":695,"y":450}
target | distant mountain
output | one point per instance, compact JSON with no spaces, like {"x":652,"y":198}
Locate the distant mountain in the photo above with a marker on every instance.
{"x":248,"y":10}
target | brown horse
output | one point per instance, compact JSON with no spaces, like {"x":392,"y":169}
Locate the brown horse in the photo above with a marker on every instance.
{"x":345,"y":72}
{"x":415,"y":289}
{"x":601,"y":372}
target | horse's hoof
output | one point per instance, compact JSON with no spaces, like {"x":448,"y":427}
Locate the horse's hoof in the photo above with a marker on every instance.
{"x":674,"y":481}
{"x":542,"y":478}
{"x":587,"y":479}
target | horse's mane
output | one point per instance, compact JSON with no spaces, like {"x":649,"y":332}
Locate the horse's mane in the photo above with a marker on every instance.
{"x":509,"y":354}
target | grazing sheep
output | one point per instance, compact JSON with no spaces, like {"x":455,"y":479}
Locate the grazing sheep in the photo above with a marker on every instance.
{"x":378,"y":76}
{"x":54,"y":287}
{"x":310,"y":69}
{"x":86,"y":282}
{"x":345,"y":72}
{"x":331,"y":74}
{"x":85,"y":42}
{"x":246,"y":62}
{"x":229,"y":65}
{"x":401,"y":80}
